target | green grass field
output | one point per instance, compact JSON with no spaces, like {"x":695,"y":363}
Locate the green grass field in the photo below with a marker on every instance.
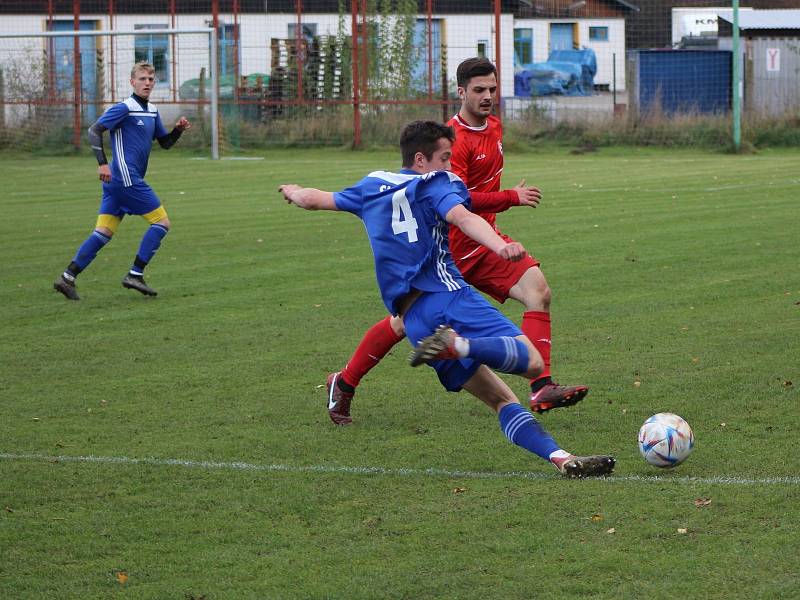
{"x":178,"y":447}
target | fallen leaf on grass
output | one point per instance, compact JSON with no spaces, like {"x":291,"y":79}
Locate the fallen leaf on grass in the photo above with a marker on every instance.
{"x":637,"y":383}
{"x":122,"y":576}
{"x":596,"y":518}
{"x":682,"y":530}
{"x":459,"y":490}
{"x":701,"y":502}
{"x":9,"y":509}
{"x":612,"y":530}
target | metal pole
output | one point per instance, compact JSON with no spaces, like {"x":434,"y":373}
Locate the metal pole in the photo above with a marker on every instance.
{"x":737,"y":80}
{"x":429,"y":17}
{"x":614,"y":78}
{"x":299,"y":54}
{"x":497,"y":60}
{"x":173,"y":53}
{"x":76,"y":76}
{"x":96,"y":32}
{"x":356,"y":75}
{"x":113,"y":73}
{"x":51,"y":62}
{"x":214,"y":96}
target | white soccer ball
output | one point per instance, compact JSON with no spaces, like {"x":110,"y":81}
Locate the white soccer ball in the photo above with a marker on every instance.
{"x":665,"y":440}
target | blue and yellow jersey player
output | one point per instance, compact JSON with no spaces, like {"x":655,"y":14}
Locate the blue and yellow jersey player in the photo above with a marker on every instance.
{"x":406,"y":216}
{"x":134,"y":124}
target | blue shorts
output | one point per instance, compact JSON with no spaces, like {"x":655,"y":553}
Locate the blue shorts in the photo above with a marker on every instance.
{"x":118,"y":200}
{"x":466,"y":311}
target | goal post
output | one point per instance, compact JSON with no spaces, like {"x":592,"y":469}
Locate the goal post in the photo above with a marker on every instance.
{"x":54,"y":82}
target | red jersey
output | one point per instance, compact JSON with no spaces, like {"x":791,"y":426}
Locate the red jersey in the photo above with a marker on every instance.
{"x":478,"y":160}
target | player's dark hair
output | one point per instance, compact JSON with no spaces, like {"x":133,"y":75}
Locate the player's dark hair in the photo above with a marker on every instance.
{"x":474,"y":67}
{"x":423,"y":136}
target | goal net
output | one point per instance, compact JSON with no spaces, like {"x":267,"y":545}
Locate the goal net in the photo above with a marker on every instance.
{"x":55,"y":84}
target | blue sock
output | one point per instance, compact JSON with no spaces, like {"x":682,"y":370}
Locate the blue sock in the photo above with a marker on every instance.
{"x":147,"y":249}
{"x":522,"y":429}
{"x":89,"y":249}
{"x":505,"y":354}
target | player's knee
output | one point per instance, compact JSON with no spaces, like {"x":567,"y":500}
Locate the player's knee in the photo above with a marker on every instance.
{"x":396,"y":323}
{"x":545,"y":295}
{"x":164,"y":223}
{"x":535,"y":361}
{"x":105,"y":231}
{"x":535,"y":365}
{"x":538,"y":294}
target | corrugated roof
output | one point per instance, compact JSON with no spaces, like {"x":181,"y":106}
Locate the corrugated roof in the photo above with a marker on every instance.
{"x":764,"y":19}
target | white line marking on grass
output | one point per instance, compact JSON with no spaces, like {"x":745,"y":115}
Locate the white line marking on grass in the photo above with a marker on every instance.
{"x":432,"y":472}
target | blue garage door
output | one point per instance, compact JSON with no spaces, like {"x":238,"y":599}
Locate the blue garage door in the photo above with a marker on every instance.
{"x":63,"y":52}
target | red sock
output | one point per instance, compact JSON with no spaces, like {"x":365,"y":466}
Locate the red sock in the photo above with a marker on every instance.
{"x":376,"y":343}
{"x":536,"y":326}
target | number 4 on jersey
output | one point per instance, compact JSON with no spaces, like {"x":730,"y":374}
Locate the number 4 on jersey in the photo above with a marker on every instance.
{"x":403,"y":220}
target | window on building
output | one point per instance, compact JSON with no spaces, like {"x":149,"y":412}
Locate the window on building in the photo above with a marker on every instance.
{"x":154,"y":48}
{"x":523,"y":46}
{"x":308,"y":31}
{"x":482,"y":50}
{"x":598,"y":34}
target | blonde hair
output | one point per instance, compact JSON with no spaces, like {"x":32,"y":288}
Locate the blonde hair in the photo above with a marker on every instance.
{"x":142,"y":65}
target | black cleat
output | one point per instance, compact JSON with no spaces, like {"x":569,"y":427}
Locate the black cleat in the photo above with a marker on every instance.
{"x":66,"y":287}
{"x":138,"y":284}
{"x":579,"y":467}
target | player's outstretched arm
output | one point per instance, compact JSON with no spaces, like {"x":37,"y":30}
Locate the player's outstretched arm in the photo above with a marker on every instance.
{"x":527,"y":195}
{"x":495,"y":202}
{"x":167,"y":141}
{"x":479,"y":230}
{"x":307,"y":198}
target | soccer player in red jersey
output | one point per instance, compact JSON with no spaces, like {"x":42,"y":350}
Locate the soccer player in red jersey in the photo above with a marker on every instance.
{"x":478,"y":160}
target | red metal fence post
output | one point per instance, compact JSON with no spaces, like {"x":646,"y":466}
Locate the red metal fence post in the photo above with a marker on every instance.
{"x":111,"y":44}
{"x":429,"y":16}
{"x":497,"y":57}
{"x":354,"y":7}
{"x":298,"y":50}
{"x":76,"y":76}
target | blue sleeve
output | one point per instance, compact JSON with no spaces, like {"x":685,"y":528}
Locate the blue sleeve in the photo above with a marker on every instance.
{"x":114,"y":116}
{"x":351,"y":199}
{"x":444,"y":191}
{"x":159,"y":131}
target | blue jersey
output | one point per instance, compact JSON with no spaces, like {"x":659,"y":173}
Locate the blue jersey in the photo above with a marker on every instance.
{"x":404,"y":214}
{"x":133,"y":130}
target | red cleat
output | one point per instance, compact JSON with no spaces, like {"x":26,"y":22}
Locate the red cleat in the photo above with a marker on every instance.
{"x":338,"y":401}
{"x":552,"y":395}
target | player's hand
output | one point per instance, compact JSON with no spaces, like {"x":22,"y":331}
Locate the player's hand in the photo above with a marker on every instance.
{"x":527,"y":194}
{"x":512,"y":252}
{"x":183,"y":124}
{"x":104,"y":172}
{"x":288,"y":189}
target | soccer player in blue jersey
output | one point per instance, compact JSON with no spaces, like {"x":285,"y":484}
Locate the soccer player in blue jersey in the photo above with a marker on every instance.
{"x":406,"y":215}
{"x":134,"y":124}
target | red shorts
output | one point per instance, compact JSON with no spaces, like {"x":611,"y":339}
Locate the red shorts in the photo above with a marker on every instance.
{"x":493,"y":275}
